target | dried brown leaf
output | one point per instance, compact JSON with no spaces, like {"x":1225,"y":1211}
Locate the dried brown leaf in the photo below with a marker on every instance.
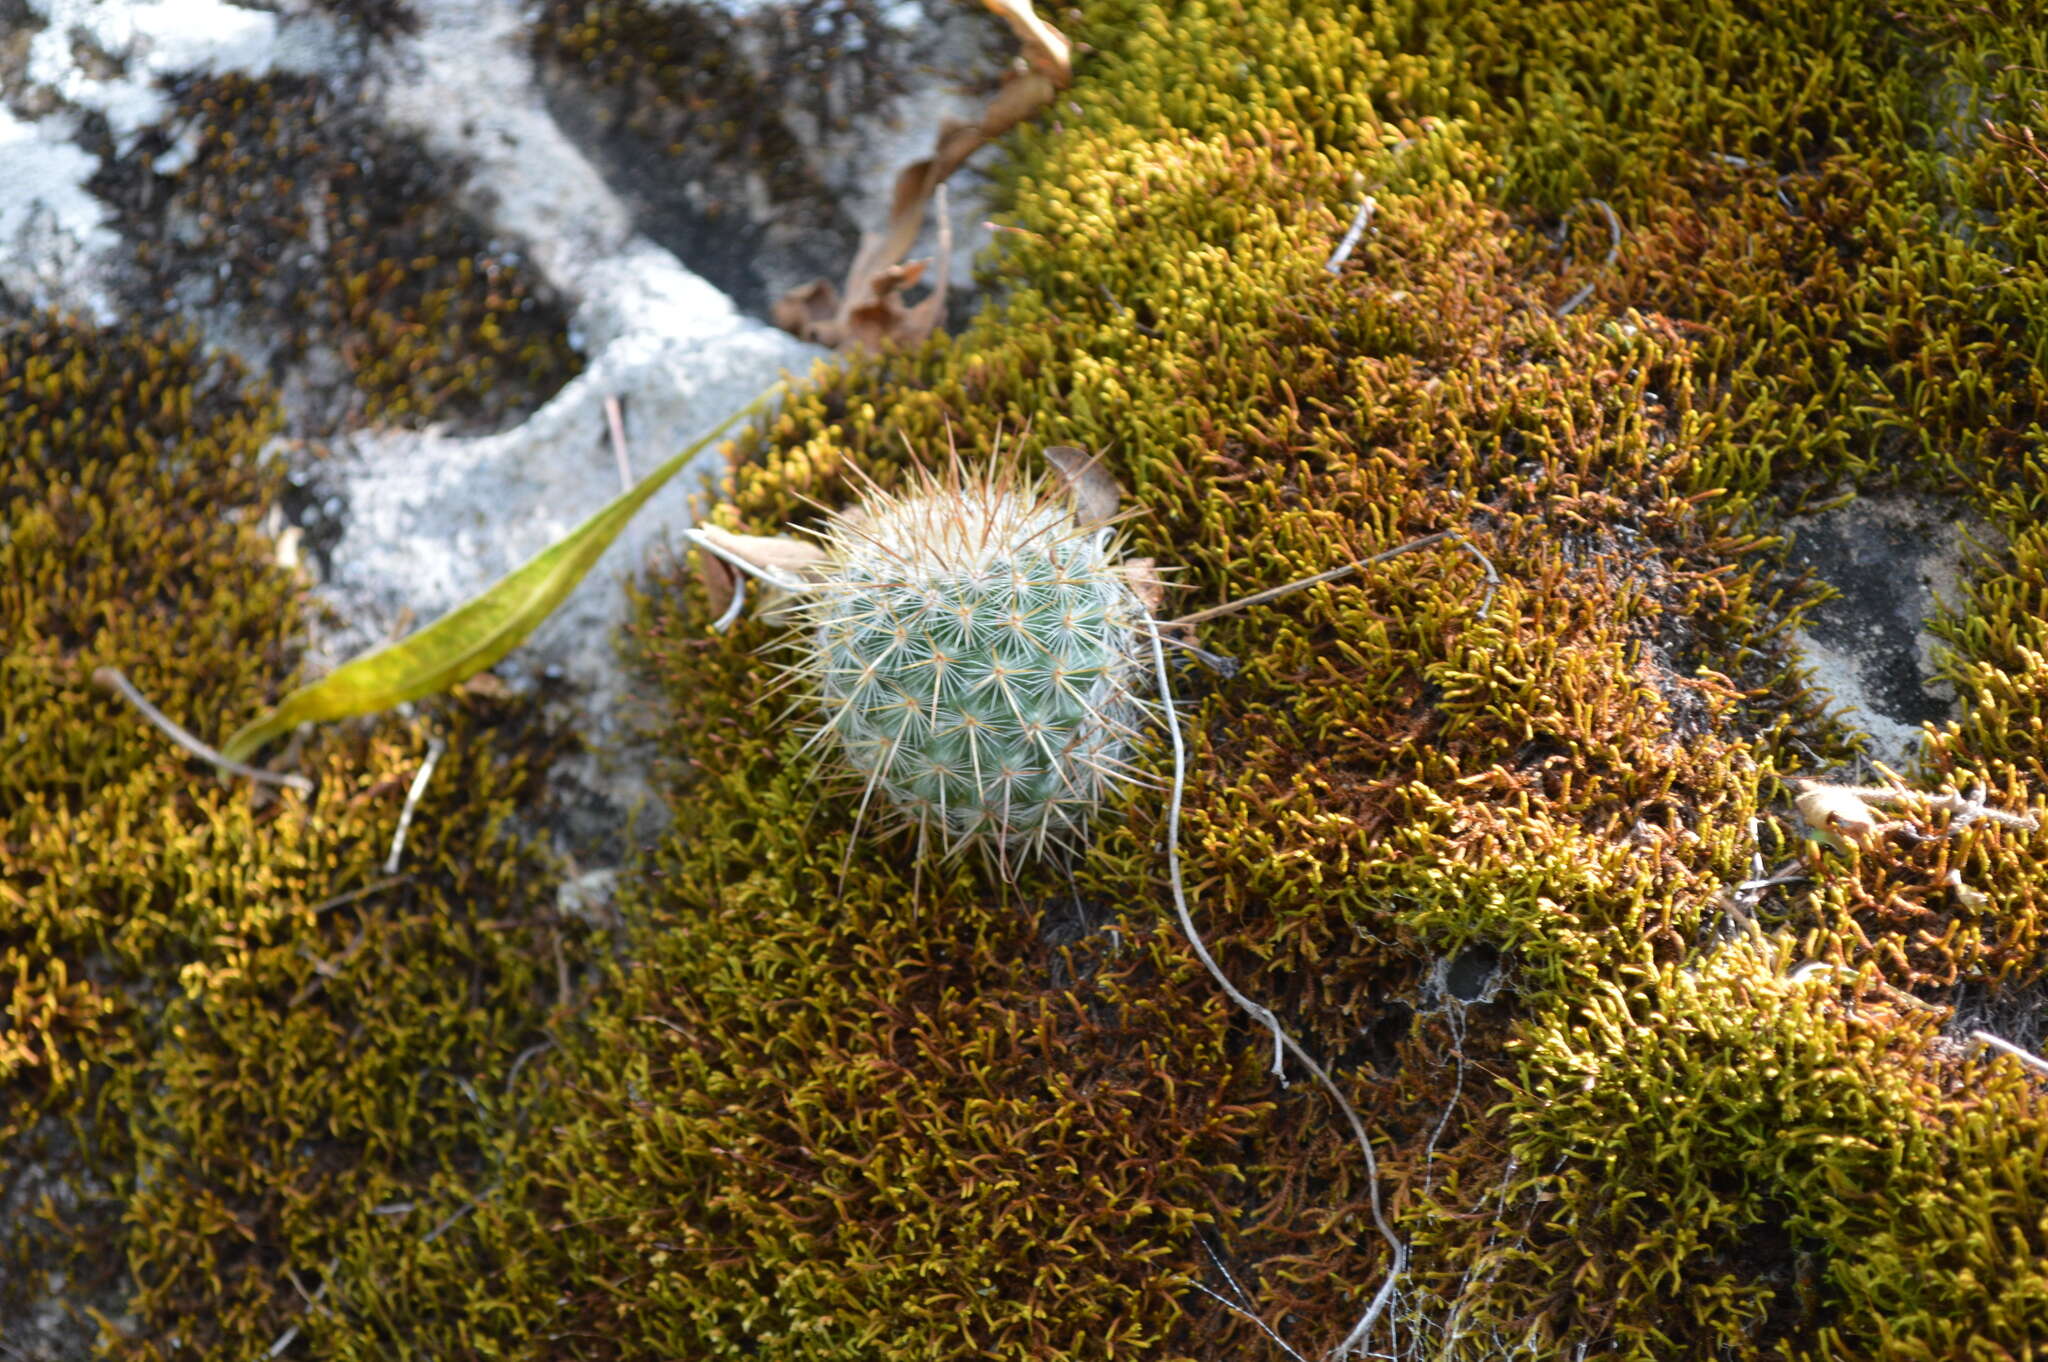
{"x":1097,"y":494}
{"x":1143,"y":575}
{"x":867,"y":311}
{"x":1046,"y":49}
{"x":718,"y":580}
{"x":777,"y":556}
{"x":805,"y":311}
{"x":1832,"y":811}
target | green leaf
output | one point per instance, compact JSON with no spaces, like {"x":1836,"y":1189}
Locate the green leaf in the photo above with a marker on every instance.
{"x":475,"y":634}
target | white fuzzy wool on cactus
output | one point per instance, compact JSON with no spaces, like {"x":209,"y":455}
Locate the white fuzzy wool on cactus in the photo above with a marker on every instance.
{"x":973,"y":650}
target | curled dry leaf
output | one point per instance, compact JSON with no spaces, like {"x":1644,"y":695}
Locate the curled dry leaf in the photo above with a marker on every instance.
{"x":718,"y":578}
{"x":872,"y":310}
{"x":1097,"y":495}
{"x":775,"y":559}
{"x":772,"y":556}
{"x":1143,"y":575}
{"x":869,"y":309}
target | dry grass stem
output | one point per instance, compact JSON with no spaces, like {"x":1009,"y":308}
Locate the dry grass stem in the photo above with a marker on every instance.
{"x":1354,"y":1342}
{"x":2006,"y":1047}
{"x":1572,"y":303}
{"x":110,"y":678}
{"x":1359,"y":222}
{"x":435,"y":747}
{"x":615,"y":418}
{"x":1339,"y":573}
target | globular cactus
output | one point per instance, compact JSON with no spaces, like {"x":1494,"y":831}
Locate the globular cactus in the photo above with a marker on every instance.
{"x":974,"y":649}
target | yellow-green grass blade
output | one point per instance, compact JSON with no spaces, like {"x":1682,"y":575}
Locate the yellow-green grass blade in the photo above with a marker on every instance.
{"x":477,"y":633}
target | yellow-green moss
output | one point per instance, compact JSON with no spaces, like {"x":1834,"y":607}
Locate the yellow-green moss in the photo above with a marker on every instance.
{"x":230,"y":1039}
{"x":1653,"y":1141}
{"x":907,"y":1113}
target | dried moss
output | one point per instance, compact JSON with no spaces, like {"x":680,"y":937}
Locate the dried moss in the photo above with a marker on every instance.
{"x":280,"y":204}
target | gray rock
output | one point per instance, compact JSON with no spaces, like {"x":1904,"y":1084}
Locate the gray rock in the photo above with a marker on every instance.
{"x":1898,"y":561}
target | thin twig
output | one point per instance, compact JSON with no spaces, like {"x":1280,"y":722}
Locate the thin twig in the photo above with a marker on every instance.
{"x":1359,"y":222}
{"x":1613,"y":254}
{"x":284,"y":1340}
{"x":412,"y":800}
{"x":732,"y":611}
{"x":1243,"y":1297}
{"x":1336,"y":573}
{"x":1243,"y":1313}
{"x":1354,"y":1342}
{"x":1216,"y":662}
{"x":1964,"y":807}
{"x":342,"y":900}
{"x":1236,"y":1287}
{"x":688,"y":1035}
{"x":110,"y":678}
{"x":1013,"y":231}
{"x":1457,"y":1024}
{"x":449,"y":1224}
{"x":615,"y":417}
{"x":1752,"y":888}
{"x":530,"y":1052}
{"x":2006,"y":1047}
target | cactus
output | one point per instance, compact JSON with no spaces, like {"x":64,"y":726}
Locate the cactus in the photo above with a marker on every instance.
{"x":972,"y":648}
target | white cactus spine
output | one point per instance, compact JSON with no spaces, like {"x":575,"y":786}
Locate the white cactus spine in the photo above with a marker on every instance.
{"x":973,"y":652}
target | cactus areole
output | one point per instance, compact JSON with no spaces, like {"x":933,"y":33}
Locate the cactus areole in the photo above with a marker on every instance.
{"x":973,"y":648}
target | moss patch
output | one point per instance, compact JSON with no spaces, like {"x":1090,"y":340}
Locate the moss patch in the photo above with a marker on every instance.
{"x":903,"y":1112}
{"x":1655,"y":1140}
{"x":279,"y":203}
{"x":239,"y":1060}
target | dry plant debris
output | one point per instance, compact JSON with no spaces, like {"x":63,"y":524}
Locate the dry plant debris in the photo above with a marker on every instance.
{"x":867,"y":309}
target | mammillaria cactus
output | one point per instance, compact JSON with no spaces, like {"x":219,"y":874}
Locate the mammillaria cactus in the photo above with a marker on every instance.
{"x":973,"y":647}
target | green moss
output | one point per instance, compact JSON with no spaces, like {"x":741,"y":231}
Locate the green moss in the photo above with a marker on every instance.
{"x":1650,"y":1142}
{"x":908,"y":1112}
{"x":310,"y":227}
{"x":230,"y":1038}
